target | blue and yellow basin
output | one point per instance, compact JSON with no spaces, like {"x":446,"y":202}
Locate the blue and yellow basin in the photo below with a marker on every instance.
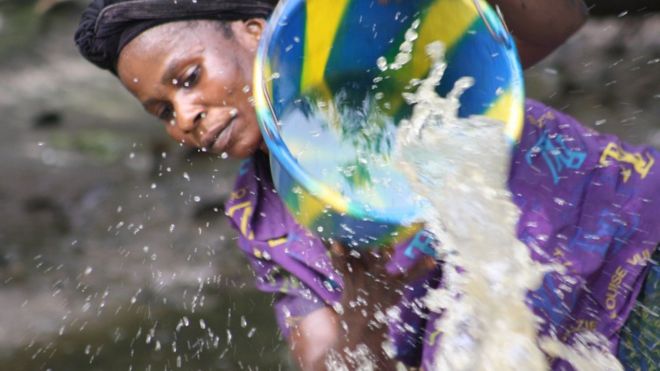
{"x":328,"y":107}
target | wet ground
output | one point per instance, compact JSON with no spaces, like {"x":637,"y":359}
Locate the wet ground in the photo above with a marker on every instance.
{"x":114,"y":253}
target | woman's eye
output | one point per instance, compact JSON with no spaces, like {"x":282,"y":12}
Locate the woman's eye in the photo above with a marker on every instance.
{"x":191,"y":77}
{"x":166,"y":113}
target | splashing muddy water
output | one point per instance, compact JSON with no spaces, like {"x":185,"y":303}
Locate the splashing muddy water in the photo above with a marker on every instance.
{"x":461,"y":167}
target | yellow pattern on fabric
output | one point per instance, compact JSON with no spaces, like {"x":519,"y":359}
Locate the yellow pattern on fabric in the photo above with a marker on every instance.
{"x":277,"y":242}
{"x":613,"y":290}
{"x":238,"y":194}
{"x":581,"y":325}
{"x":641,"y":165}
{"x":641,"y":258}
{"x":433,"y":337}
{"x":540,"y":122}
{"x":245,"y":218}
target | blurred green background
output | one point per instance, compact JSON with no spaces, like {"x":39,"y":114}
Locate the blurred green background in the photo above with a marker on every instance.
{"x":114,"y":253}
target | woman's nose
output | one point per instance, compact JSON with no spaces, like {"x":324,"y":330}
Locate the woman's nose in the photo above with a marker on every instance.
{"x":188,"y":114}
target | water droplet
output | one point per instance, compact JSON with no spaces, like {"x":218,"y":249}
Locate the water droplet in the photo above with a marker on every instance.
{"x":382,"y":63}
{"x":411,"y":35}
{"x":338,"y":308}
{"x":560,"y":201}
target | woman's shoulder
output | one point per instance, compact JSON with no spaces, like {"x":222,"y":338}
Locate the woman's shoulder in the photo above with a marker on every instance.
{"x":547,"y":129}
{"x":560,"y":159}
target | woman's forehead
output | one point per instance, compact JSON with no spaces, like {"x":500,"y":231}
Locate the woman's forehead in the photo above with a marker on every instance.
{"x":163,"y":38}
{"x":155,"y":47}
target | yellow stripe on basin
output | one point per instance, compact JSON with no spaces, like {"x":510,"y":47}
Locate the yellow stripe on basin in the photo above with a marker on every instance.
{"x":435,"y":23}
{"x":508,"y":109}
{"x":322,"y":24}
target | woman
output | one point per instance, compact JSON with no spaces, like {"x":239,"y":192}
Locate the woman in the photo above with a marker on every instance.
{"x":190,"y":64}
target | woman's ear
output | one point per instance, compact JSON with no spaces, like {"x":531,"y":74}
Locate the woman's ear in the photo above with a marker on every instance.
{"x":256,"y":26}
{"x":249,"y":32}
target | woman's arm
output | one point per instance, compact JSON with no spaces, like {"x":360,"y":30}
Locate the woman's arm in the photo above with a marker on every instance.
{"x":368,"y":292}
{"x":338,"y":334}
{"x":312,"y":337}
{"x":540,"y":26}
{"x":324,"y":336}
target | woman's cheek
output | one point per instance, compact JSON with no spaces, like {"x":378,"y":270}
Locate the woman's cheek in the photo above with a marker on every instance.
{"x":176,"y":134}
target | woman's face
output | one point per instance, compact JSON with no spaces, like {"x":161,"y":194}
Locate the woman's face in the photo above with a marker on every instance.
{"x":196,"y":77}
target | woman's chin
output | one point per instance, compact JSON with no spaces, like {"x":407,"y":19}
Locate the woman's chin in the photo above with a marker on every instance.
{"x":244,"y":150}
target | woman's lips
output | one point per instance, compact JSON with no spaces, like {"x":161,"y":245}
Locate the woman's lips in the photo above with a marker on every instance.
{"x":218,"y":140}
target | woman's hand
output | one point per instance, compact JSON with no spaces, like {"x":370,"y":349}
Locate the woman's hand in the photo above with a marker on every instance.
{"x":369,"y":292}
{"x":354,"y":332}
{"x":540,"y":26}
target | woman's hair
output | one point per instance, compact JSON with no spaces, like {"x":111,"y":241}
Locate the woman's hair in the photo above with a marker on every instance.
{"x":106,"y":26}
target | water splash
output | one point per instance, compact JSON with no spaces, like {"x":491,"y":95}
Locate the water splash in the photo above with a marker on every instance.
{"x":461,"y":166}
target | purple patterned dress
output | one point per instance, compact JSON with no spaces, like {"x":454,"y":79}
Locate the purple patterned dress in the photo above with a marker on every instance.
{"x":587,"y":200}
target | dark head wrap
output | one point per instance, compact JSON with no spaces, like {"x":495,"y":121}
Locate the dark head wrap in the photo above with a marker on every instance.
{"x":106,"y":26}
